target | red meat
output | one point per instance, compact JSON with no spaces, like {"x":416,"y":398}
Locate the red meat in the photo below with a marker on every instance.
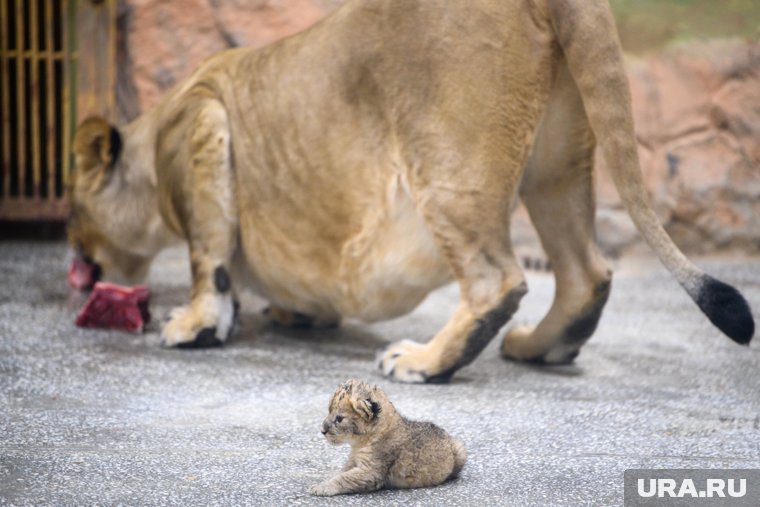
{"x":114,"y":306}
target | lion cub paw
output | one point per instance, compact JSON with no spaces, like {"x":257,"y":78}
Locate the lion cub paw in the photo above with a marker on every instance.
{"x":406,"y":361}
{"x":206,"y":322}
{"x":324,"y":489}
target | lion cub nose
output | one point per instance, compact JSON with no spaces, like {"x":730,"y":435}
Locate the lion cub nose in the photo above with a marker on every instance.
{"x":325,"y":427}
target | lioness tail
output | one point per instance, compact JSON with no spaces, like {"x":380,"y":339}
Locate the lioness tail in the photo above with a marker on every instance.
{"x":586,"y":32}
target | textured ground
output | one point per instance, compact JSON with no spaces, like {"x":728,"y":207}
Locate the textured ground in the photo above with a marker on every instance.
{"x":100,"y":417}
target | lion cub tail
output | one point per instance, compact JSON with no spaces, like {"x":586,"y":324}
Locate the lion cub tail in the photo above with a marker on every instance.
{"x":586,"y":32}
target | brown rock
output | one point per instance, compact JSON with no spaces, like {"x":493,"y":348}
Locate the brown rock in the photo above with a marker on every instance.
{"x":166,"y":41}
{"x":697,"y":115}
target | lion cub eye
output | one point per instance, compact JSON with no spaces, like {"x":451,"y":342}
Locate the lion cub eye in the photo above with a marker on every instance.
{"x":338,"y":418}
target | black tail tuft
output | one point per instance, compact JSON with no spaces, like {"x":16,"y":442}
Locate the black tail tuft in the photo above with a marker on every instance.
{"x":727,"y":309}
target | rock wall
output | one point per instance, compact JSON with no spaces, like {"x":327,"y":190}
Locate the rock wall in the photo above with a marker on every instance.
{"x":697,"y":115}
{"x":165,"y":40}
{"x":697,"y":110}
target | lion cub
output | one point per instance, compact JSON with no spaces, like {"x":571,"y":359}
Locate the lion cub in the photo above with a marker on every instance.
{"x":387,"y":450}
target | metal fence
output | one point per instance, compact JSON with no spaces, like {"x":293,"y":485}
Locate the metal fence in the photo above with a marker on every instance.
{"x":37,"y":95}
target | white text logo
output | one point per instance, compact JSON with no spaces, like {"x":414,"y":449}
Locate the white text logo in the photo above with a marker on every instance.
{"x":714,"y":488}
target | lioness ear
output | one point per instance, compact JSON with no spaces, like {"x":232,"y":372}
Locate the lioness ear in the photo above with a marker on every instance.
{"x":97,"y":142}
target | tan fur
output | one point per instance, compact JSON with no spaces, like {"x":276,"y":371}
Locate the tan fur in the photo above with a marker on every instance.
{"x":286,"y":318}
{"x":353,"y":168}
{"x":387,"y":450}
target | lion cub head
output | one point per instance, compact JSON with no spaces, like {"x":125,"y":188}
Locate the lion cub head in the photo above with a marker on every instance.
{"x":356,"y":411}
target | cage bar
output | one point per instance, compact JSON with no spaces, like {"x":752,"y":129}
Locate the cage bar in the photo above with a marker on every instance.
{"x":41,"y":100}
{"x":68,"y":11}
{"x":34,"y":94}
{"x":36,"y":77}
{"x":20,"y":100}
{"x":50,"y":119}
{"x":4,"y":92}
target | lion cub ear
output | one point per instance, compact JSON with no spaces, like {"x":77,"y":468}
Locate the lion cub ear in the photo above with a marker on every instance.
{"x":98,"y":143}
{"x":366,"y":407}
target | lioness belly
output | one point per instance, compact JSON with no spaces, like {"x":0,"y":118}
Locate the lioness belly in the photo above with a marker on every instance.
{"x":384,"y":269}
{"x":391,"y":265}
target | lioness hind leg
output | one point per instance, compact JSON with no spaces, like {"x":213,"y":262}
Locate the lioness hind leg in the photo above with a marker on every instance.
{"x":557,"y":189}
{"x":464,"y":161}
{"x":208,"y":213}
{"x":467,"y":209}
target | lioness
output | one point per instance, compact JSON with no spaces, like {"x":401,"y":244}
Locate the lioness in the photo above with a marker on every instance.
{"x":351,"y":169}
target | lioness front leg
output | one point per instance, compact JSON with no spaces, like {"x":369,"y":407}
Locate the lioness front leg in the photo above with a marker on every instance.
{"x":210,"y":317}
{"x":208,"y":210}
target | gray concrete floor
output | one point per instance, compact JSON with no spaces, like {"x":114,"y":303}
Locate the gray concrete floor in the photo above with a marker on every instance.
{"x":98,"y":417}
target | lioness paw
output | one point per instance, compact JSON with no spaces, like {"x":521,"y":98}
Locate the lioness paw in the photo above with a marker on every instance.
{"x":207,"y":322}
{"x":512,"y":343}
{"x":406,"y":361}
{"x":185,"y":330}
{"x":518,"y":345}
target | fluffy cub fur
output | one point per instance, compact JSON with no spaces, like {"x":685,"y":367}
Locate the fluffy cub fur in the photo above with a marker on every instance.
{"x":387,"y":450}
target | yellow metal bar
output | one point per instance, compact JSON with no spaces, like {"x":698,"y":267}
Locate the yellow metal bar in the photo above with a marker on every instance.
{"x":35,"y":95}
{"x":4,"y":85}
{"x":28,"y":54}
{"x":67,"y":22}
{"x":15,"y":208}
{"x":50,"y":130}
{"x":20,"y":89}
{"x":30,"y":143}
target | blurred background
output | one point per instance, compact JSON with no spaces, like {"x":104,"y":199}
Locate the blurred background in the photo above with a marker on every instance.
{"x":694,"y":67}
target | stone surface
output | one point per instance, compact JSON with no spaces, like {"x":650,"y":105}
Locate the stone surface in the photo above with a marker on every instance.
{"x":101,"y":417}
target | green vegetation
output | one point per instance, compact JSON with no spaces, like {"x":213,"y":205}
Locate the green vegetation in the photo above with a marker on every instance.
{"x":648,"y":25}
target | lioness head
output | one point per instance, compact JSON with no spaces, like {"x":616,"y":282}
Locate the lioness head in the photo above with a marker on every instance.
{"x":104,"y":227}
{"x":355,"y":411}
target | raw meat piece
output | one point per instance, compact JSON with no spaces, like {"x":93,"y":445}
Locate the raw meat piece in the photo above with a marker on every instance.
{"x":114,"y":306}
